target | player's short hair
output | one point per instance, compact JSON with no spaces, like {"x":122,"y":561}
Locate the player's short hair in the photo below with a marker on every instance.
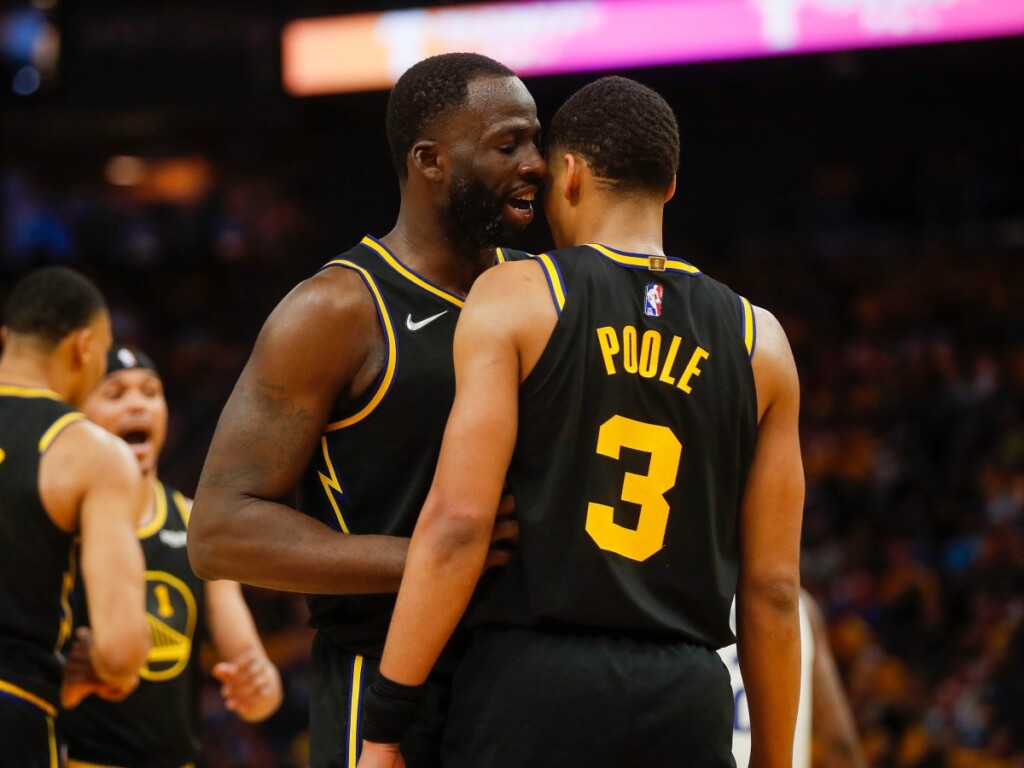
{"x":626,"y":133}
{"x":50,"y":303}
{"x":430,"y":89}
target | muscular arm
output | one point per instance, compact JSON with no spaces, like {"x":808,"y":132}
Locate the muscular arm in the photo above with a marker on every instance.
{"x":319,"y":344}
{"x":97,"y":473}
{"x":768,"y":625}
{"x":832,"y":726}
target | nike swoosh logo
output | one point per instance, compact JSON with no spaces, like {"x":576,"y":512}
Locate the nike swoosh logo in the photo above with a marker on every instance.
{"x":416,"y":325}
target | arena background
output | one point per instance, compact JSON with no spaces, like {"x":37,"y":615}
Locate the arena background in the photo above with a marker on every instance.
{"x":872,"y":199}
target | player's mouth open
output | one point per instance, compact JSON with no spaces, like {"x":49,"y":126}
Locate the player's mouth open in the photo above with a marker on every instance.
{"x":137,"y":437}
{"x":519,"y":207}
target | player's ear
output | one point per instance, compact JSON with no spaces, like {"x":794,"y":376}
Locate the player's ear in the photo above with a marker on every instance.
{"x":78,"y":344}
{"x":573,"y":176}
{"x":671,"y":190}
{"x":428,"y":159}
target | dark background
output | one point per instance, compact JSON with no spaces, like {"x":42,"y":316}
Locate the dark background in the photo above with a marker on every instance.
{"x":873,"y":200}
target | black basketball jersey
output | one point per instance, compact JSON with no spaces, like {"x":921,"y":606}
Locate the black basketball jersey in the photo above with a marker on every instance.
{"x":158,"y":724}
{"x":376,"y":460}
{"x":636,"y":431}
{"x":36,"y":572}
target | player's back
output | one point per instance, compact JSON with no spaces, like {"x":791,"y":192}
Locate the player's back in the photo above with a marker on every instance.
{"x":636,"y":431}
{"x":35,"y":568}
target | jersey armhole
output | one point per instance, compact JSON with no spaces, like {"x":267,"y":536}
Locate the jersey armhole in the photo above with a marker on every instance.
{"x":387,"y":376}
{"x":748,"y":325}
{"x":183,"y":505}
{"x":55,"y":429}
{"x":556,"y":284}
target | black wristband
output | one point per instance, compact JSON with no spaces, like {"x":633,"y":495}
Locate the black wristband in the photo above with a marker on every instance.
{"x":389,"y":709}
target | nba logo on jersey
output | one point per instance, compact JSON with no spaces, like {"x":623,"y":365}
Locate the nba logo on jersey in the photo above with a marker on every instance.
{"x":652,"y":300}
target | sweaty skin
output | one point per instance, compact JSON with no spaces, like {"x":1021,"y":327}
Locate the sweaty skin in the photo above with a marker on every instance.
{"x":241,"y":527}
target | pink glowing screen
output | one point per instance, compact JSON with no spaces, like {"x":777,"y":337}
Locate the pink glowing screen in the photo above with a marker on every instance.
{"x":369,"y":51}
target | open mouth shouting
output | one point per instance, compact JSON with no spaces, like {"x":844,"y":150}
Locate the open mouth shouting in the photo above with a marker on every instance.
{"x":139,"y":436}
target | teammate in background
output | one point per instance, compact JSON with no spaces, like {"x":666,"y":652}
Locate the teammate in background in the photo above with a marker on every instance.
{"x":824,"y":723}
{"x":158,"y":724}
{"x":61,"y":477}
{"x":653,"y":453}
{"x":350,"y":383}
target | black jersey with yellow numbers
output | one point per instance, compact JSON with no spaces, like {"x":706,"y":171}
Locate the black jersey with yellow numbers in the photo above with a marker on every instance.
{"x":157,"y":725}
{"x":36,"y":557}
{"x":375,"y":461}
{"x":636,"y":432}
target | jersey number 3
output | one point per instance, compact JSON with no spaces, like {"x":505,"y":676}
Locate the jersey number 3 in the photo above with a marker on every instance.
{"x":646,"y":490}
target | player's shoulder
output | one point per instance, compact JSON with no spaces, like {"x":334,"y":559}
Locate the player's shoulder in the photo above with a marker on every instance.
{"x":327,"y":298}
{"x":506,"y":280}
{"x":772,"y":341}
{"x":91,"y":443}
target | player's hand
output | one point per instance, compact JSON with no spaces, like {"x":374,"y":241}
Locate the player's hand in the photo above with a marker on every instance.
{"x":250,"y":685}
{"x":80,"y":679}
{"x":376,"y":755}
{"x":505,"y":533}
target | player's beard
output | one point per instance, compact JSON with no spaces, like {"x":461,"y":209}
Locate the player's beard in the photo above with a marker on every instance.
{"x":475,"y":221}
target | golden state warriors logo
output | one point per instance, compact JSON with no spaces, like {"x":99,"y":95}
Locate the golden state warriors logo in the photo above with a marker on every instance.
{"x":171,"y":614}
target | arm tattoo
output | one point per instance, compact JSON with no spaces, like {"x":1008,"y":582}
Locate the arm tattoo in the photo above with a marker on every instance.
{"x":266,"y":432}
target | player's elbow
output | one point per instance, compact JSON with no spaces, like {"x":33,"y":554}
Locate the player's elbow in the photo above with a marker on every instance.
{"x":453,"y":528}
{"x":776,"y":592}
{"x":206,"y":534}
{"x":201,"y":557}
{"x":120,"y":653}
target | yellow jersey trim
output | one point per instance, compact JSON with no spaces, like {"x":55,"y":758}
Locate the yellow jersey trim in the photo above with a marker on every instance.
{"x":332,"y":482}
{"x":67,"y":618}
{"x":159,"y":516}
{"x":183,"y":505}
{"x":353,"y":710}
{"x":389,"y":332}
{"x":408,"y":274}
{"x":10,"y":390}
{"x":31,"y":698}
{"x":52,"y":739}
{"x":554,"y":278}
{"x":627,"y":260}
{"x":57,"y":427}
{"x":749,"y":331}
{"x":499,"y":256}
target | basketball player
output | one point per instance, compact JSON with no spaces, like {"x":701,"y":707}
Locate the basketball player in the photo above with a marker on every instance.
{"x":158,"y":724}
{"x":61,"y":477}
{"x":350,"y":383}
{"x":653,"y":452}
{"x":824,"y":719}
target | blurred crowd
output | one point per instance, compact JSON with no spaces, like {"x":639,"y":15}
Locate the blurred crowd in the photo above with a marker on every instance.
{"x":912,"y":373}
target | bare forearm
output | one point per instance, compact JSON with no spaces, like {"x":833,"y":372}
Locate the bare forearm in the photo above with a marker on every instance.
{"x":443,"y":569}
{"x":769,"y":649}
{"x":271,"y":545}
